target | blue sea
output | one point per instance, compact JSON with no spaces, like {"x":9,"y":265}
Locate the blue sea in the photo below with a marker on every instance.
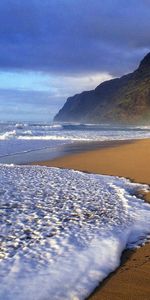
{"x":27,"y":142}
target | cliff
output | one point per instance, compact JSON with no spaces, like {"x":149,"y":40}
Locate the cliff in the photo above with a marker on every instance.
{"x":120,"y":100}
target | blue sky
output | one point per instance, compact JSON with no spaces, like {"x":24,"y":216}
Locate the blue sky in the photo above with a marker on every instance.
{"x":52,"y":49}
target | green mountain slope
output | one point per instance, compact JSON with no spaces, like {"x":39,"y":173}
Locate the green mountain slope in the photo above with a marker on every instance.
{"x":120,"y":100}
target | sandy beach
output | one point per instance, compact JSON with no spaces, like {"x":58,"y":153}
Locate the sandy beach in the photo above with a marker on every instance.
{"x":130,"y":160}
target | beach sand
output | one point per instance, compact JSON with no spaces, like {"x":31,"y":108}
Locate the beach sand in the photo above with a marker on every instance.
{"x":130,"y":160}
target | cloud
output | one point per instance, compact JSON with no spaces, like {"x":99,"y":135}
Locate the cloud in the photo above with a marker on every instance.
{"x":73,"y":36}
{"x":52,"y":49}
{"x":28,"y":105}
{"x":64,"y":86}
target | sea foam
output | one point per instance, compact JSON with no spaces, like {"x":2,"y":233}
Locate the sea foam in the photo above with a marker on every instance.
{"x":63,"y":231}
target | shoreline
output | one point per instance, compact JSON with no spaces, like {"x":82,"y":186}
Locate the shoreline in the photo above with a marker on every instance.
{"x":55,"y":152}
{"x":109,"y":159}
{"x":130,"y":159}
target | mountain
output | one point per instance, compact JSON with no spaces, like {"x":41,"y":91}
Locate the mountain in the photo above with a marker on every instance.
{"x":120,"y":100}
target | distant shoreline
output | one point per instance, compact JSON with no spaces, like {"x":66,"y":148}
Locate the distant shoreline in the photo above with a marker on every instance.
{"x":130,"y":159}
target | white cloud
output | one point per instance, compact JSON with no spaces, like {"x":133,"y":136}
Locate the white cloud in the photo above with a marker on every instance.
{"x":66,"y":86}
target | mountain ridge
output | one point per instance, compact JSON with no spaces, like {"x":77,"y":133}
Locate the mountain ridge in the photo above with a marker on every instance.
{"x":119,"y":100}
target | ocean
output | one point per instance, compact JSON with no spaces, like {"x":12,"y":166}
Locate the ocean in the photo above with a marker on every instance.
{"x":27,"y":142}
{"x":63,"y":231}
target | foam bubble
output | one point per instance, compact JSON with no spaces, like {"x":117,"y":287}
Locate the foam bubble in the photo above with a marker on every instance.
{"x":63,"y":231}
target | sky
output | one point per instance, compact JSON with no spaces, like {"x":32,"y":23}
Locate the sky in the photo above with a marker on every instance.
{"x":53,"y":49}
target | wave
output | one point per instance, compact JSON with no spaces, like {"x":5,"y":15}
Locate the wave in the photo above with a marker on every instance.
{"x":13,"y":134}
{"x":46,"y":126}
{"x":53,"y":138}
{"x":21,"y":125}
{"x":55,"y":126}
{"x":29,"y":135}
{"x":101,"y":127}
{"x":59,"y":230}
{"x":8,"y":135}
{"x":72,"y":132}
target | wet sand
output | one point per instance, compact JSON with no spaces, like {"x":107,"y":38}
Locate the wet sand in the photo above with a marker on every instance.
{"x":130,"y":160}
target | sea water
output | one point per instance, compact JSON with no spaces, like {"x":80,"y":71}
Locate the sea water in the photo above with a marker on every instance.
{"x":63,"y":231}
{"x":48,"y":140}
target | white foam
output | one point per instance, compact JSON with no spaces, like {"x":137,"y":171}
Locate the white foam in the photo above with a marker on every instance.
{"x":79,"y":132}
{"x":64,"y":231}
{"x":19,"y":125}
{"x":8,"y":135}
{"x":53,"y":138}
